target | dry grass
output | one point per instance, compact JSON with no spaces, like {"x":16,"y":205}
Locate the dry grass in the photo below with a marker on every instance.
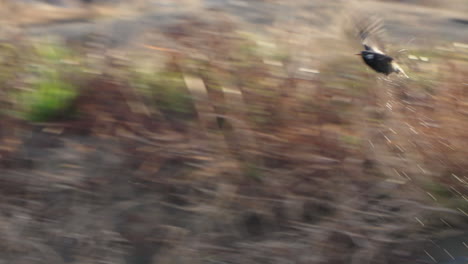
{"x":277,"y":165}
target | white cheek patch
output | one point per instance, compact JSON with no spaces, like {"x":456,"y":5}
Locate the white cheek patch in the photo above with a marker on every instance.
{"x":369,"y":56}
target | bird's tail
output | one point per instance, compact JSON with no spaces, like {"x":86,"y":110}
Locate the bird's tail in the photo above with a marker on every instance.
{"x":399,"y":70}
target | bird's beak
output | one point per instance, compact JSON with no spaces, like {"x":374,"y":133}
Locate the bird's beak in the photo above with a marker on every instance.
{"x":357,"y":54}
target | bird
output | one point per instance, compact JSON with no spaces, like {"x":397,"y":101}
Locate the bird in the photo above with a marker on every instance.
{"x":374,"y":57}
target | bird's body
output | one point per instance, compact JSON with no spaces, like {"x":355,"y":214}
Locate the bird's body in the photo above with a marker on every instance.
{"x":379,"y":62}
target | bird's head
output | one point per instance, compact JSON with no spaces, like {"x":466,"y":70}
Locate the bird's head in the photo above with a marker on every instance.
{"x":367,"y":55}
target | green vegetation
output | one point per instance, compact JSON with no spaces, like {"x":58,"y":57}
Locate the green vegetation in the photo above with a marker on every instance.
{"x":167,"y":92}
{"x":49,"y":95}
{"x":51,"y":98}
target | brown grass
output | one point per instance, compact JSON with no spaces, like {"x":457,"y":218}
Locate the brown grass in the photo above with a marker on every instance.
{"x":273,"y":168}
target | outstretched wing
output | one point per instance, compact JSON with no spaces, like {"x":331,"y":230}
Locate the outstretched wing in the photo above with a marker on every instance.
{"x":370,"y":31}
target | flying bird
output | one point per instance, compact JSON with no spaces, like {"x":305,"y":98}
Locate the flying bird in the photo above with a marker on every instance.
{"x":372,"y":55}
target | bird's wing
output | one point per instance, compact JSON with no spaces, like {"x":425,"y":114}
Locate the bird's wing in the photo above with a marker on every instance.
{"x":371,"y":32}
{"x":373,"y":49}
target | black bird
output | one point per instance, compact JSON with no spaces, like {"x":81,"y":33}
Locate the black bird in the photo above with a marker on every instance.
{"x":373,"y":56}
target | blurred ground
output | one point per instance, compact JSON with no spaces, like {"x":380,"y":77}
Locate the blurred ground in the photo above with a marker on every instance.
{"x":407,"y":22}
{"x":235,"y":132}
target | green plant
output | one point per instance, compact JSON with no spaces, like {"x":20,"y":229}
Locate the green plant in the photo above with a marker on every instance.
{"x":168,"y":93}
{"x":50,"y":95}
{"x":51,"y":98}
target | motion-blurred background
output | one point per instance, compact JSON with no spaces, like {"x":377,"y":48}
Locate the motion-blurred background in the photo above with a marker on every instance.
{"x":231,"y":131}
